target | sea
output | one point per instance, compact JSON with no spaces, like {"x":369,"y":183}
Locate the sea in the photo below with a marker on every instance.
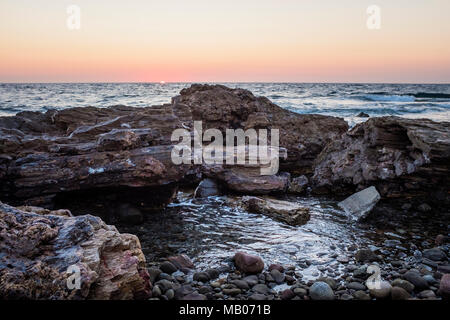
{"x":346,"y":100}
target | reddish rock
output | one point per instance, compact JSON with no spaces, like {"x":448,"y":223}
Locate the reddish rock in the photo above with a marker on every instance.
{"x":111,"y":265}
{"x":181,"y":261}
{"x":444,"y":288}
{"x":287,"y":294}
{"x":248,"y":263}
{"x":276,"y":266}
{"x":44,"y":155}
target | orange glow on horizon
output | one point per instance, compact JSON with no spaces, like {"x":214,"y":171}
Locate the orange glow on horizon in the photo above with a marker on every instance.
{"x":209,"y":41}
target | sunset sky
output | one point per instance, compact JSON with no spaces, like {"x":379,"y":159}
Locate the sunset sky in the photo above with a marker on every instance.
{"x":219,"y":41}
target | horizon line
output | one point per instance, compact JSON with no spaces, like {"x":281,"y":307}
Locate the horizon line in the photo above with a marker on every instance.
{"x":220,"y":82}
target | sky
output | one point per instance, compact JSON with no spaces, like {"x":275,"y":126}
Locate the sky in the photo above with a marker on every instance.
{"x":225,"y":41}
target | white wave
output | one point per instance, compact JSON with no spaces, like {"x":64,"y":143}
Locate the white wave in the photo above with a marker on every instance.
{"x":393,"y":98}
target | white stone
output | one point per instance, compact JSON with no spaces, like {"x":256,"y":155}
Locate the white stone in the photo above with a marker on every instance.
{"x":359,"y":205}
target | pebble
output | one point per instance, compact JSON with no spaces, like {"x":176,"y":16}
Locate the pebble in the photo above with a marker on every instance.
{"x":232,"y":292}
{"x":257,"y":297}
{"x":154,"y":274}
{"x":277,"y":276}
{"x":321,"y":291}
{"x":416,"y":279}
{"x":361,"y":295}
{"x":356,"y":286}
{"x":170,"y":294}
{"x":287,"y":294}
{"x":168,"y":267}
{"x":156,"y":291}
{"x":260,"y":288}
{"x":434,"y":254}
{"x":365,"y":255}
{"x":381,"y":292}
{"x":241,"y":284}
{"x":201,"y":277}
{"x":251,"y":280}
{"x":426,"y":294}
{"x":398,"y":293}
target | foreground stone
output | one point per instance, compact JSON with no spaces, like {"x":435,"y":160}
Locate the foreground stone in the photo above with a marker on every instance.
{"x":360,"y":204}
{"x":36,"y":252}
{"x":284,"y":211}
{"x":248,"y":263}
{"x":444,"y":288}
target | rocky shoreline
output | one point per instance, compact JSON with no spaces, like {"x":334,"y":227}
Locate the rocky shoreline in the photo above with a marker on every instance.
{"x":115,"y":163}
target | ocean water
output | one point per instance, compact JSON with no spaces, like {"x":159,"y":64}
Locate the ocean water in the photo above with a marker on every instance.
{"x":430,"y":101}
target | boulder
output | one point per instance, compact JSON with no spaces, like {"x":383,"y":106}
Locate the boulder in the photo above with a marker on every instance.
{"x":248,"y":263}
{"x":284,"y":211}
{"x":402,"y":158}
{"x":42,"y":256}
{"x":360,"y":204}
{"x":48,"y":155}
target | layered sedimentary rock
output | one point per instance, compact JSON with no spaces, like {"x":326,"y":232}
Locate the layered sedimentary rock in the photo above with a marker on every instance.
{"x":304,"y":136}
{"x":400,"y":157}
{"x":41,"y":250}
{"x":284,"y":211}
{"x":92,"y":150}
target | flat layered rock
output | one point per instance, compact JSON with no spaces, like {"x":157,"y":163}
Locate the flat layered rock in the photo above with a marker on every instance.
{"x":284,"y":211}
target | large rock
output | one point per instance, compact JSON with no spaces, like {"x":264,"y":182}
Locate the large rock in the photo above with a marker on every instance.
{"x":360,"y":204}
{"x":304,"y":136}
{"x":248,"y":263}
{"x":46,"y":155}
{"x":400,"y":157}
{"x":37,"y":251}
{"x":284,"y":211}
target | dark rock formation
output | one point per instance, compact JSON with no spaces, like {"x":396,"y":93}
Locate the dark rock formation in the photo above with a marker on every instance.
{"x":37,"y":252}
{"x":400,"y":157}
{"x":106,"y":150}
{"x":284,"y":211}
